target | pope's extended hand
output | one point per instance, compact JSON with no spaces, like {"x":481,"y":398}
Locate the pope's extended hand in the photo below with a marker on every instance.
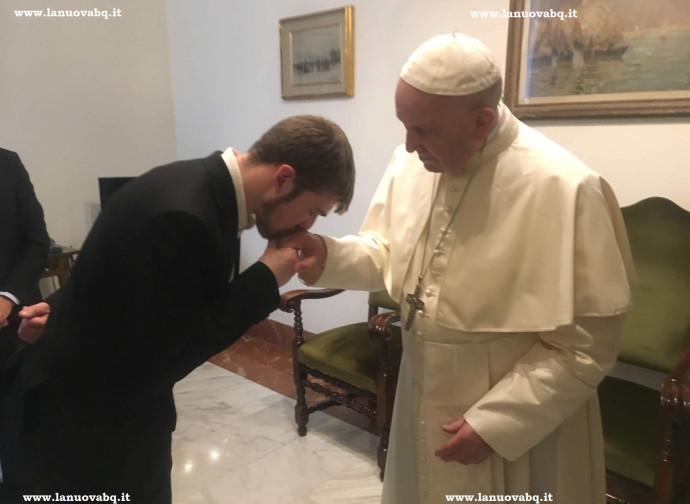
{"x":33,"y":323}
{"x":281,"y":261}
{"x":465,"y":446}
{"x":312,"y":249}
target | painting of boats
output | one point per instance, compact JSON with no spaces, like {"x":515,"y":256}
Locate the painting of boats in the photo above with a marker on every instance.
{"x":605,"y":51}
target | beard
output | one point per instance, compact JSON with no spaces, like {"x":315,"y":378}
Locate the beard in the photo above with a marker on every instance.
{"x":264,"y":222}
{"x":273,"y":234}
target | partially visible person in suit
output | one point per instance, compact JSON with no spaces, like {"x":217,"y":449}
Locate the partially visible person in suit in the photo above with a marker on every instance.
{"x":157,"y":290}
{"x":23,"y":249}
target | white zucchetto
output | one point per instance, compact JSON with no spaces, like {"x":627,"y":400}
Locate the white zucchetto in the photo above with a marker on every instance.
{"x":452,"y":64}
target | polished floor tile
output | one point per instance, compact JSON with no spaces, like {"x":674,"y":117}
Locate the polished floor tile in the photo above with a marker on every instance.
{"x":236,"y":442}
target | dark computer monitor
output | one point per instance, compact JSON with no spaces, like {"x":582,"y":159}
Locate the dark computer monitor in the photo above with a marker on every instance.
{"x":108,"y":185}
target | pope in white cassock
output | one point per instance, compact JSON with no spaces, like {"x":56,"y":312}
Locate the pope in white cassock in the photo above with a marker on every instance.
{"x":511,"y":264}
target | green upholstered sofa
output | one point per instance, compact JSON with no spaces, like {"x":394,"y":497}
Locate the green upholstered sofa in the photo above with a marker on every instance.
{"x":646,"y":430}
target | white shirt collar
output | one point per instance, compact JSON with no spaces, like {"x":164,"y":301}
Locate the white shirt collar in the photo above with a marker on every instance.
{"x":245,"y":220}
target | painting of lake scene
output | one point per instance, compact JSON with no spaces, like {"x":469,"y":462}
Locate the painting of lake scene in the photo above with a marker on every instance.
{"x":607,"y":50}
{"x":317,"y":54}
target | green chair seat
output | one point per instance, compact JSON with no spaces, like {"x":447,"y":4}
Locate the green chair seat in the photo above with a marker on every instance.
{"x":633,"y":428}
{"x":349,"y":354}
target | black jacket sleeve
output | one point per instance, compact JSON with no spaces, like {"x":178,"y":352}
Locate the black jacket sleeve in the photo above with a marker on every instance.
{"x":179,"y":311}
{"x":24,"y":263}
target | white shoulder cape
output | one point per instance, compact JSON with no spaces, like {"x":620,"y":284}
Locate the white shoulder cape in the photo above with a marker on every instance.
{"x":540,"y":238}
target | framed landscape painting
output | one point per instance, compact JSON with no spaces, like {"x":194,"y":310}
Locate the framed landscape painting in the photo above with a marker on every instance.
{"x":317,"y":54}
{"x":598,"y":58}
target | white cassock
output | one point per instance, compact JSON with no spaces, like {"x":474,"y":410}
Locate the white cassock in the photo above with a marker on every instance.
{"x":524,"y":304}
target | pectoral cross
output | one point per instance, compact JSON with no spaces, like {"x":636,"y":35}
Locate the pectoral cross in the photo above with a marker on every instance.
{"x":415,"y":304}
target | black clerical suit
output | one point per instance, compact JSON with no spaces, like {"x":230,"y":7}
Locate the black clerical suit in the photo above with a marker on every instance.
{"x":150,"y":299}
{"x":23,"y":250}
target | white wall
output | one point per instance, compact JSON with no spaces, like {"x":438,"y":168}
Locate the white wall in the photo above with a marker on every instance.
{"x":82,"y":98}
{"x":226,"y":83}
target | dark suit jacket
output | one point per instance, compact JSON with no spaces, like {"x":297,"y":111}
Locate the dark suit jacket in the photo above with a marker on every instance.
{"x":149,"y":298}
{"x":23,"y":239}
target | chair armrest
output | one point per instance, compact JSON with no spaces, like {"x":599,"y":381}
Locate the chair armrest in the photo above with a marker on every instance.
{"x":293,"y":298}
{"x":380,"y":325}
{"x":675,"y":391}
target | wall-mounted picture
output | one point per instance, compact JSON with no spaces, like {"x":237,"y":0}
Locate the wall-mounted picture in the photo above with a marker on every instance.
{"x":605,"y":58}
{"x":317,"y":54}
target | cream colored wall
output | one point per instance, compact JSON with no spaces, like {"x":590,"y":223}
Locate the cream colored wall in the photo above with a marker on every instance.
{"x":82,"y":98}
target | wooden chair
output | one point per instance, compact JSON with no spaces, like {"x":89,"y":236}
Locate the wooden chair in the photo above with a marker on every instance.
{"x":354,"y":365}
{"x":646,"y":432}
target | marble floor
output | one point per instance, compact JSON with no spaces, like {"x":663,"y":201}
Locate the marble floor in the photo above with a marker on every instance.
{"x":236,"y":440}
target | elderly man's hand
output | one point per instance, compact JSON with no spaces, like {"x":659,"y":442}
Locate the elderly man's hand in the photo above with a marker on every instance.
{"x":33,"y":323}
{"x":465,"y":446}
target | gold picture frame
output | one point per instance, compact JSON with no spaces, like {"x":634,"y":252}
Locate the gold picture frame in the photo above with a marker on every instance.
{"x":621,"y":60}
{"x":317,"y":54}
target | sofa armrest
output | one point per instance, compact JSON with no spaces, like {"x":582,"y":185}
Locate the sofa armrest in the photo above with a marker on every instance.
{"x":675,"y":391}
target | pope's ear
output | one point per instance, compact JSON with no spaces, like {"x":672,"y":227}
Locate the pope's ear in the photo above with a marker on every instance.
{"x":484,"y":119}
{"x":283,"y":179}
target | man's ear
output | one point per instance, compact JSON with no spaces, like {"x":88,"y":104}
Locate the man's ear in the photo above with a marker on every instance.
{"x":283,"y":180}
{"x":484,"y":119}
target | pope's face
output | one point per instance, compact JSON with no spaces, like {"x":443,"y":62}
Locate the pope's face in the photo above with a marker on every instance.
{"x":286,"y":214}
{"x":441,"y":129}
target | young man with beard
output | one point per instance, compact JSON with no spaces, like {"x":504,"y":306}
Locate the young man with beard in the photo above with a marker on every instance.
{"x":157,"y":290}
